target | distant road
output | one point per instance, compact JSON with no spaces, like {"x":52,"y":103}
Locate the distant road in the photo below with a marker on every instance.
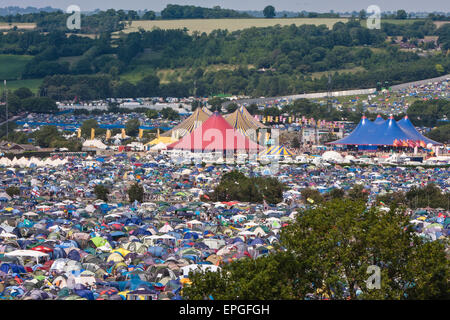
{"x":397,"y":87}
{"x":10,"y":119}
{"x":402,"y":86}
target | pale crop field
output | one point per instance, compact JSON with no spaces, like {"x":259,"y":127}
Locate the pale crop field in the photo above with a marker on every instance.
{"x":22,"y":26}
{"x":208,"y":25}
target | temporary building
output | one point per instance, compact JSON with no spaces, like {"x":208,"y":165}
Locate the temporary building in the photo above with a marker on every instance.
{"x":280,"y":150}
{"x":215,"y":134}
{"x":94,"y":144}
{"x":406,"y":125}
{"x":383,"y":133}
{"x":244,"y":122}
{"x":191,"y":123}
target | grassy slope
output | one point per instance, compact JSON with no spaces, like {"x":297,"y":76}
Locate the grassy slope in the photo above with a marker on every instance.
{"x":32,"y":84}
{"x":12,"y":66}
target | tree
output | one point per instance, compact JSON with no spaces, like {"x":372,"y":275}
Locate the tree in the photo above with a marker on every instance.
{"x":440,"y":134}
{"x":328,"y":252}
{"x":362,"y":14}
{"x":149,"y":15}
{"x":148,"y":86}
{"x":151,"y":114}
{"x":231,"y":107}
{"x":169,"y":114}
{"x":13,"y":191}
{"x":216,"y":103}
{"x":23,"y":93}
{"x":357,"y":192}
{"x":132,"y":127}
{"x":136,"y":193}
{"x":269,"y":12}
{"x":312,"y":194}
{"x":401,"y":14}
{"x":44,"y":136}
{"x":236,"y":186}
{"x":101,"y":192}
{"x":87,"y":126}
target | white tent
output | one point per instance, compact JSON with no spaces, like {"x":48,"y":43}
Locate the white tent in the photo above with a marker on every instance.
{"x":94,"y":144}
{"x":332,"y":156}
{"x":159,"y":146}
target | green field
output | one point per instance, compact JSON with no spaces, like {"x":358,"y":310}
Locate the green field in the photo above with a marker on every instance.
{"x":32,"y":84}
{"x":12,"y":66}
{"x":208,"y":25}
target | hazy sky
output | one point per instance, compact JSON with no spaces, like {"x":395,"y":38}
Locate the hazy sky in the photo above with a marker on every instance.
{"x":290,"y":5}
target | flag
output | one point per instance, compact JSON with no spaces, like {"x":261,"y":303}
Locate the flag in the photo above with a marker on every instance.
{"x":108,"y":134}
{"x":92,"y":133}
{"x":141,"y":133}
{"x":79,"y":133}
{"x":266,"y":206}
{"x":123,"y":133}
{"x":310,"y":200}
{"x":35,"y":193}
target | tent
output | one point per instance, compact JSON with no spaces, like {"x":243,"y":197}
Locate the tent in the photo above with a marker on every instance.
{"x":412,"y":132}
{"x":381,"y":133}
{"x":215,"y":134}
{"x":191,"y":123}
{"x":244,"y":122}
{"x":277,"y":151}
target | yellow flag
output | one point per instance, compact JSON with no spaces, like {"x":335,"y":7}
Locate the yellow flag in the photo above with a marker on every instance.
{"x":108,"y":134}
{"x":92,"y":133}
{"x":310,"y":200}
{"x":79,"y":133}
{"x":123,"y":133}
{"x":141,"y":133}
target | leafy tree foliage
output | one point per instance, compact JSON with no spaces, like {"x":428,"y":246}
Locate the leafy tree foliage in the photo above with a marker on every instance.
{"x":427,"y":113}
{"x":136,"y":193}
{"x":13,"y":191}
{"x":440,"y":134}
{"x":327,"y":253}
{"x":269,"y":12}
{"x":132,"y":127}
{"x":101,"y":192}
{"x":236,"y":186}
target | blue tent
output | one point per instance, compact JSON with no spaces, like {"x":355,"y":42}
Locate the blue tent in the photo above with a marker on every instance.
{"x":382,"y":133}
{"x":412,"y":132}
{"x":379,"y":120}
{"x":363,"y":134}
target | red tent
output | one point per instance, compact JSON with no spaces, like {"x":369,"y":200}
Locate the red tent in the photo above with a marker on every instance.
{"x":215,"y":134}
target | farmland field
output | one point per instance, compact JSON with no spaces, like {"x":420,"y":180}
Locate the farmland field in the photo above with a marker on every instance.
{"x":32,"y":84}
{"x":208,"y":25}
{"x":12,"y":66}
{"x":23,"y":25}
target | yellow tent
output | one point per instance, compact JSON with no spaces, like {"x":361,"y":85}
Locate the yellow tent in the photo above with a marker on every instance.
{"x":159,"y":139}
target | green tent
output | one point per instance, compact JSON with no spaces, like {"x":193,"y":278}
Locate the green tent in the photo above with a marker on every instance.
{"x":99,"y":241}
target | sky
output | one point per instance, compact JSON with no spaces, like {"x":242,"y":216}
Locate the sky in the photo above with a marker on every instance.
{"x":280,"y":5}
